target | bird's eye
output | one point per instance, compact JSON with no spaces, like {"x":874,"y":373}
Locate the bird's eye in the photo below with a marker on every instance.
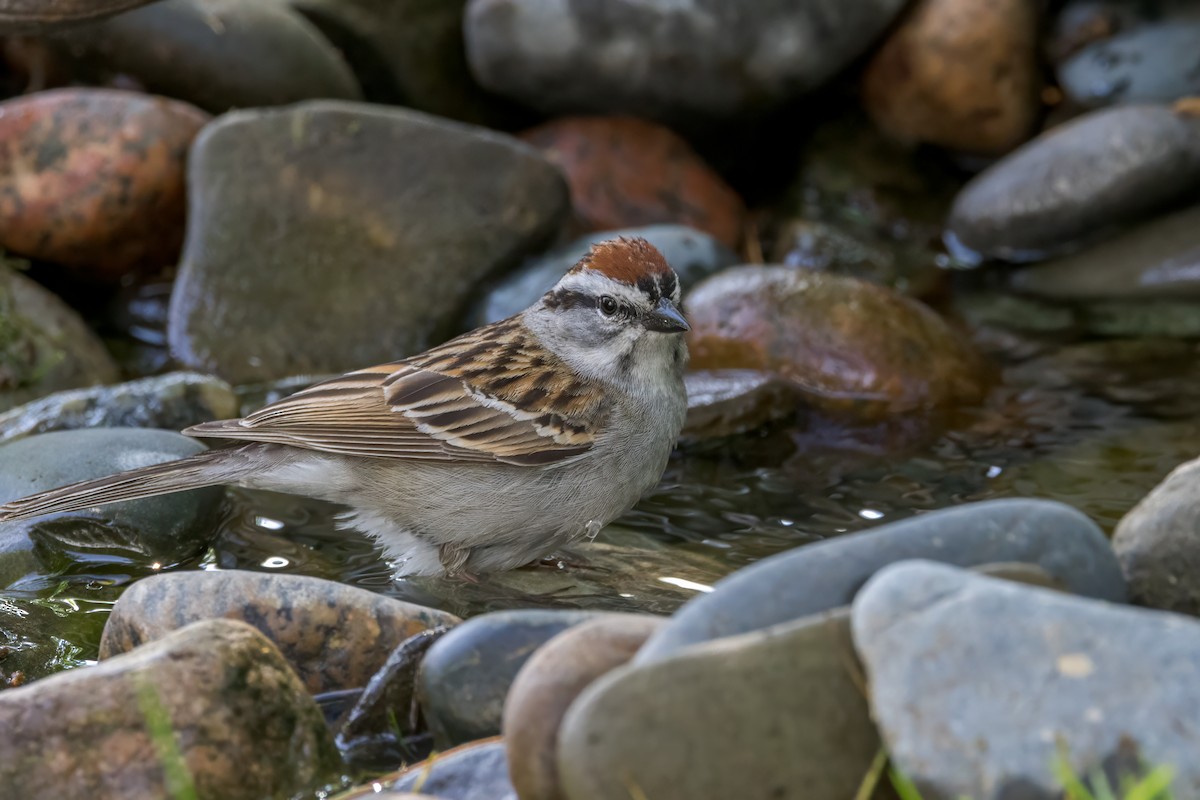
{"x":608,"y":306}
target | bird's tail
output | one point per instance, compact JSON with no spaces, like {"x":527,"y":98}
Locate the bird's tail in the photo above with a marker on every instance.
{"x":203,"y":469}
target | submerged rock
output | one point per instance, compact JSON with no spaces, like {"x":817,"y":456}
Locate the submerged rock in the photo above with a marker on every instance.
{"x":173,"y":401}
{"x":216,"y":54}
{"x":215,"y":699}
{"x":959,"y":74}
{"x":825,"y":575}
{"x":335,"y":636}
{"x":44,"y":346}
{"x":713,"y":60}
{"x":93,"y":179}
{"x":773,"y":713}
{"x":850,"y":347}
{"x":978,"y":684}
{"x":627,"y":172}
{"x":373,"y":224}
{"x":1079,"y":180}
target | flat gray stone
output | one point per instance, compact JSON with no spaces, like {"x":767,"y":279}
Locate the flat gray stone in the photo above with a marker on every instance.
{"x":172,"y":401}
{"x":44,"y":346}
{"x":666,"y":60}
{"x":1157,"y":546}
{"x":364,"y":228}
{"x":1158,"y":260}
{"x":823,"y":576}
{"x":166,"y":529}
{"x":975,"y":682}
{"x":776,"y":713}
{"x":1153,"y":62}
{"x":466,"y":675}
{"x":475,"y":771}
{"x":216,"y":54}
{"x":1078,"y":181}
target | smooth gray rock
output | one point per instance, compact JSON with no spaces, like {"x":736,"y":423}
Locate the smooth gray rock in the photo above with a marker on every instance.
{"x":26,"y":16}
{"x":165,"y":529}
{"x":241,"y":722}
{"x":466,"y":675}
{"x":1159,"y":259}
{"x":173,"y":401}
{"x":822,"y":576}
{"x":44,"y":346}
{"x":216,"y":54}
{"x":364,"y":228}
{"x":1154,"y":62}
{"x":1077,"y":181}
{"x":975,"y":682}
{"x":665,"y":60}
{"x":693,"y":255}
{"x":476,"y":771}
{"x":776,"y":713}
{"x":1157,"y":545}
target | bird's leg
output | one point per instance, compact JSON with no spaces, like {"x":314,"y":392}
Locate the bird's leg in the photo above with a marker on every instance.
{"x":454,"y":559}
{"x":593,"y":529}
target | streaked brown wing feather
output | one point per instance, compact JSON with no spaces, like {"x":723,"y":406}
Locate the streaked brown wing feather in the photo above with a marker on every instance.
{"x":517,"y":406}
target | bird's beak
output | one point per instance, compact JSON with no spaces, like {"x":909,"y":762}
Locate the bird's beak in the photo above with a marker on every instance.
{"x":666,"y":318}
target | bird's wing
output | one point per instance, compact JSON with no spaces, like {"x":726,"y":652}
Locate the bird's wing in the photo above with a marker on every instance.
{"x":493,"y":395}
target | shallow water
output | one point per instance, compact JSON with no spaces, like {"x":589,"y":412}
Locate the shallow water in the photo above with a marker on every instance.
{"x":1091,"y":423}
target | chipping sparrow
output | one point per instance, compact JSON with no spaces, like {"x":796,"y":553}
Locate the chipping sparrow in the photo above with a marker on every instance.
{"x":481,"y":454}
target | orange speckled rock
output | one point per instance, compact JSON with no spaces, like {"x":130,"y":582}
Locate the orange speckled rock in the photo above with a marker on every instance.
{"x":958,"y":73}
{"x":851,"y":347}
{"x":93,"y":179}
{"x":625,"y":172}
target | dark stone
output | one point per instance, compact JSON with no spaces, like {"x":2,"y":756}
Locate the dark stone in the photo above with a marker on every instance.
{"x":1077,"y":181}
{"x":27,"y":16}
{"x":173,"y":401}
{"x":217,"y":692}
{"x":374,"y":224}
{"x":692,"y":254}
{"x":335,"y":636}
{"x":1151,"y":63}
{"x":679,"y":63}
{"x":822,"y":576}
{"x":216,"y":54}
{"x":475,"y":771}
{"x":44,"y":346}
{"x":165,"y":530}
{"x":466,"y":676}
{"x":725,"y":402}
{"x":977,"y":684}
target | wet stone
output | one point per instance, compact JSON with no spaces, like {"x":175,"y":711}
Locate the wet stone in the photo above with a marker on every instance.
{"x":1154,"y":62}
{"x":726,"y":402}
{"x":692,"y":254}
{"x":827,"y":574}
{"x":25,"y":16}
{"x":1158,"y":260}
{"x":992,"y":662}
{"x":93,"y":179}
{"x":683,"y":64}
{"x":378,"y":222}
{"x":1156,"y":544}
{"x":160,"y":530}
{"x":215,"y":54}
{"x":786,"y":701}
{"x":475,"y":771}
{"x":335,"y":636}
{"x":466,"y":676}
{"x":627,"y":172}
{"x":958,"y":74}
{"x":44,"y":346}
{"x":1078,"y":181}
{"x":39,"y":637}
{"x":550,"y":682}
{"x":241,"y":721}
{"x":173,"y":401}
{"x":851,"y":347}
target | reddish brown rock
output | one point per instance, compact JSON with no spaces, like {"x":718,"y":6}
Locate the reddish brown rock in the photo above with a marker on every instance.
{"x":625,"y":172}
{"x":852,"y":347}
{"x":961,"y":74}
{"x":547,"y":685}
{"x":93,"y":179}
{"x":335,"y":636}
